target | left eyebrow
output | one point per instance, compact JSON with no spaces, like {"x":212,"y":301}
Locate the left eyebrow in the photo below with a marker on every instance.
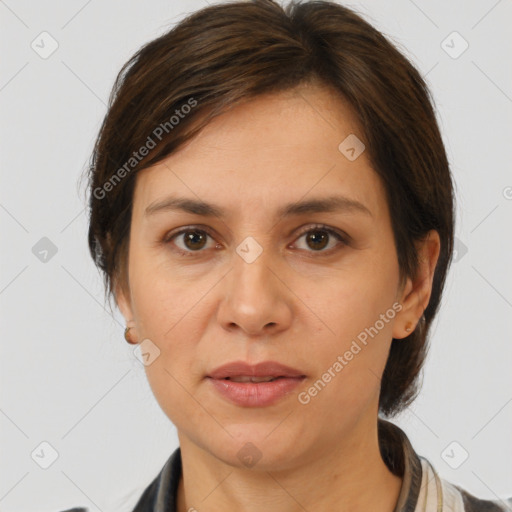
{"x":326,"y":204}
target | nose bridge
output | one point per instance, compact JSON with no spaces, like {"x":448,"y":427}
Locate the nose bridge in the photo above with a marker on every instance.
{"x":254,"y":298}
{"x":251,"y":276}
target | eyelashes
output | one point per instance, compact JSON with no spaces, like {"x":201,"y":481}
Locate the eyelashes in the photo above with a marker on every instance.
{"x":199,"y":233}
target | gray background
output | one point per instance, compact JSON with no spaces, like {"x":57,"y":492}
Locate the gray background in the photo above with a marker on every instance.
{"x":68,"y":378}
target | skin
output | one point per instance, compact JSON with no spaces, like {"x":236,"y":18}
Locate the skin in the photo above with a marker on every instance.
{"x":296,"y":303}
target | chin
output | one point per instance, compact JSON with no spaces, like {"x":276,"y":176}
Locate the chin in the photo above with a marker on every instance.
{"x":258,"y":447}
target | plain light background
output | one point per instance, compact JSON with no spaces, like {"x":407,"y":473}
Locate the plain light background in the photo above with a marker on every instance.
{"x":69,"y":379}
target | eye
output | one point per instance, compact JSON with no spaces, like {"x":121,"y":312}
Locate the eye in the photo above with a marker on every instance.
{"x":318,"y":238}
{"x":191,"y":239}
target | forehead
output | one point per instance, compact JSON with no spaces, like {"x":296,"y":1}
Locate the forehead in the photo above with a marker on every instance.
{"x":269,"y":150}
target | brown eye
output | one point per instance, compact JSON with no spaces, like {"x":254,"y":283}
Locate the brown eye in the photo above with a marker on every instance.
{"x":317,"y":239}
{"x":194,"y":240}
{"x":190,"y":240}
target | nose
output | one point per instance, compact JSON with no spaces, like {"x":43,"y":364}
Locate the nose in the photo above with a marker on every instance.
{"x":256,"y":298}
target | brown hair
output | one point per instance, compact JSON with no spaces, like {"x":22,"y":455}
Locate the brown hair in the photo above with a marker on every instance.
{"x":228,"y":53}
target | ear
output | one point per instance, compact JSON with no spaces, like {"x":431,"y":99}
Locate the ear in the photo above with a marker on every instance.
{"x":415,"y":294}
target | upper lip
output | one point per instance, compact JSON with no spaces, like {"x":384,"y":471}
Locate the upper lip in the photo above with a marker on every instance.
{"x":264,"y":369}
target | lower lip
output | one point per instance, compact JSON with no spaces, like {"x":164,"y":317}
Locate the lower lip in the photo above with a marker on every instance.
{"x":256,"y":394}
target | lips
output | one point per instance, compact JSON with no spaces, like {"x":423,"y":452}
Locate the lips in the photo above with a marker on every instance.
{"x":239,"y":371}
{"x":259,"y":385}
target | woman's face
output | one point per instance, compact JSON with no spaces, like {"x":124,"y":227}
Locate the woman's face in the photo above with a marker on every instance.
{"x":252,"y":284}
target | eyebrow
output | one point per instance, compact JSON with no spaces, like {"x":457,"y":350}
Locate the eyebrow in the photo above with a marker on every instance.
{"x":198,"y":207}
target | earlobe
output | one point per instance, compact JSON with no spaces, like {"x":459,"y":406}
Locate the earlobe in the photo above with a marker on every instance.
{"x":127,"y":336}
{"x":124,"y":305}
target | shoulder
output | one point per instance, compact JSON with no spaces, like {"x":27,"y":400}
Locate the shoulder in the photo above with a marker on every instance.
{"x":145,"y":500}
{"x":160,"y":493}
{"x":422,"y":488}
{"x":474,"y":504}
{"x":454,"y":497}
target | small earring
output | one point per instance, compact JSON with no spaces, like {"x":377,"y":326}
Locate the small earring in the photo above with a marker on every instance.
{"x":127,"y":336}
{"x":408,"y":327}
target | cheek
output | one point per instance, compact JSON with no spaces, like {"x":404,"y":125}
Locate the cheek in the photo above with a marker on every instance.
{"x":352,"y":298}
{"x":164,"y":299}
{"x":173,"y":313}
{"x":356,"y":311}
{"x":171,"y":319}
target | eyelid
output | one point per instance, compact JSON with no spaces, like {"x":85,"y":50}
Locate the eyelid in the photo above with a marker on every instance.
{"x":322,"y":227}
{"x":194,"y":227}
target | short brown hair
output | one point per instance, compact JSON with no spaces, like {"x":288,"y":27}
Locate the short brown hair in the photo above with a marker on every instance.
{"x":228,"y":53}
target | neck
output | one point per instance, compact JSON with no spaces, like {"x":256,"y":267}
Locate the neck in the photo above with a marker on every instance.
{"x":329,"y":478}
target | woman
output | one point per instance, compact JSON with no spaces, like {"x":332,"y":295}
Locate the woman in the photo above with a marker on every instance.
{"x":272,"y":210}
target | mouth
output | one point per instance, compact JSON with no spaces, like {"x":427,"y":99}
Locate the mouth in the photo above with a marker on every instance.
{"x":259,"y":385}
{"x":246,"y":391}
